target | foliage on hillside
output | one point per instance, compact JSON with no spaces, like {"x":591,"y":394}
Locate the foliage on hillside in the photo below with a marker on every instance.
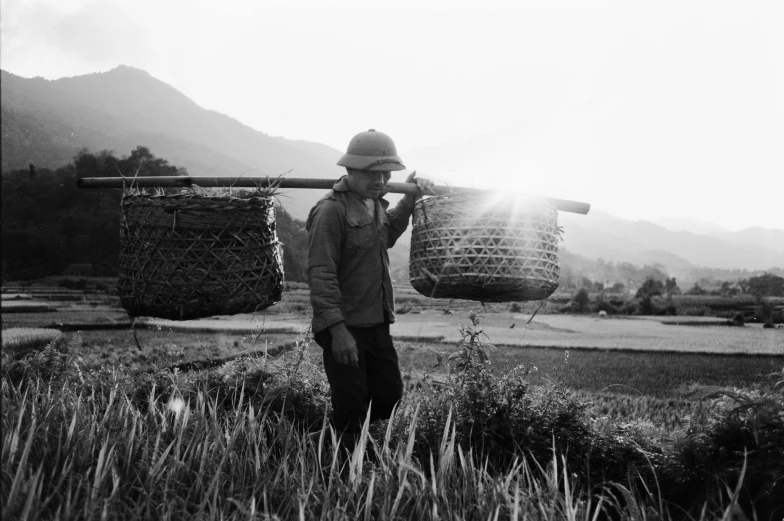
{"x":30,"y":138}
{"x":49,"y":223}
{"x":45,"y":122}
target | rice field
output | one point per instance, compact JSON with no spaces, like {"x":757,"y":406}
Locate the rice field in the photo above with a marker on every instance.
{"x":662,"y":375}
{"x":22,"y":340}
{"x":590,"y":332}
{"x":638,"y":357}
{"x":16,"y":296}
{"x":24,"y":306}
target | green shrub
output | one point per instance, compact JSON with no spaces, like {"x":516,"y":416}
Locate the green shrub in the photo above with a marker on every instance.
{"x":80,"y":284}
{"x":581,"y":300}
{"x":669,"y":309}
{"x":607,"y":307}
{"x":736,"y":443}
{"x":765,"y":312}
{"x":504,"y":419}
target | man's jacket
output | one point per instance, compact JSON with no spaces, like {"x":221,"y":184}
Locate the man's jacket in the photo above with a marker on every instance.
{"x":348,"y":263}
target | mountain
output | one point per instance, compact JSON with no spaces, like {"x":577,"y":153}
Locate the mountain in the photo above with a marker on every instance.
{"x":769,"y":238}
{"x":599,"y":234}
{"x":683,"y":224}
{"x":46,"y":122}
{"x":772,"y":239}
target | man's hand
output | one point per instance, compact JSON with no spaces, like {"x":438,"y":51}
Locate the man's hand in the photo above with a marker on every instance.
{"x":344,"y":347}
{"x":422,"y":183}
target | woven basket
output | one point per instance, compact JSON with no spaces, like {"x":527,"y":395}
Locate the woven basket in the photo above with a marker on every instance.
{"x":475,"y":247}
{"x":187,"y":256}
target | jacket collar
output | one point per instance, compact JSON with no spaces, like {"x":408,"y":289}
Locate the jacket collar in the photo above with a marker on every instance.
{"x":341,"y":185}
{"x":357,"y":213}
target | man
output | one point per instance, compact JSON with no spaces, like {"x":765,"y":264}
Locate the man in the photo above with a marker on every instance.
{"x":349,"y":232}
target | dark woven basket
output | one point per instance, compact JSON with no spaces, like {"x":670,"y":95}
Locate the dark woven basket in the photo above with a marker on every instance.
{"x":187,"y":256}
{"x":480,"y":247}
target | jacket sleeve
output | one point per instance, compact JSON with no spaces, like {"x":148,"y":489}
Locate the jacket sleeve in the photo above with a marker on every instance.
{"x":398,"y":219}
{"x":325,"y":233}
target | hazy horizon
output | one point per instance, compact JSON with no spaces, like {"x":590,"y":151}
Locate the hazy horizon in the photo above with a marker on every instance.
{"x":644,"y":111}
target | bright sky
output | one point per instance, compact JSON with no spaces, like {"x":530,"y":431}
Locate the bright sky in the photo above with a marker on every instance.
{"x":642,"y":108}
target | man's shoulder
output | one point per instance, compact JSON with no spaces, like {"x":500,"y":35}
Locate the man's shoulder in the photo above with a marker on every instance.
{"x":332,"y":200}
{"x":332,"y":203}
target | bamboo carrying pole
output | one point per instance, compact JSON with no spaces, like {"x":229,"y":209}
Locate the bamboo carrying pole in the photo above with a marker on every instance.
{"x":564,"y":205}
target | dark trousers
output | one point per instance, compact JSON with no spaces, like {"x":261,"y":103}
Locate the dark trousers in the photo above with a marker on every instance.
{"x":375,"y":383}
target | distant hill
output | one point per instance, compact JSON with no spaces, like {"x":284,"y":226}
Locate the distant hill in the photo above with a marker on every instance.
{"x":46,"y":122}
{"x":769,"y":238}
{"x":599,"y":234}
{"x":772,"y":239}
{"x":682,"y":224}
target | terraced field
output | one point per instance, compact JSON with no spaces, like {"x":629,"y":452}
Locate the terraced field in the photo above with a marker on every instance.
{"x":590,"y":332}
{"x":641,"y":356}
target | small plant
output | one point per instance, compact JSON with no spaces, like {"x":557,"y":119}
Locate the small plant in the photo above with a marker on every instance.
{"x":404,"y":308}
{"x":52,"y":362}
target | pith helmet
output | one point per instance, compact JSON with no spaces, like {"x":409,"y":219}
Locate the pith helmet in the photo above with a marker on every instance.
{"x":372,"y":150}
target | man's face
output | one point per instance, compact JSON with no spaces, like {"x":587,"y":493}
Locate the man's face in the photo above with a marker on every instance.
{"x":368,"y":183}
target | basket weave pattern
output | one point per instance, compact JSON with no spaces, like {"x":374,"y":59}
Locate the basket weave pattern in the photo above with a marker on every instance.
{"x":469,"y":246}
{"x":186,"y":256}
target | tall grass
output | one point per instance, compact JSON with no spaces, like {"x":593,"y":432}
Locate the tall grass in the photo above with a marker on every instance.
{"x":18,"y":341}
{"x":71,"y":454}
{"x":237,"y":444}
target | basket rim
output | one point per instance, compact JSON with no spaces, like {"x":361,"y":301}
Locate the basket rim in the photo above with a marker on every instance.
{"x":192,"y":196}
{"x":492,"y":195}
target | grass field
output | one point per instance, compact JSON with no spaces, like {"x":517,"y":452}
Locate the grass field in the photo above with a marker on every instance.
{"x":23,"y":340}
{"x":81,"y":449}
{"x":578,"y":332}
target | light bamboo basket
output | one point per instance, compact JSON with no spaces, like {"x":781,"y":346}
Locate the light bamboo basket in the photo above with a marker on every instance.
{"x":481,"y":247}
{"x":186,"y":256}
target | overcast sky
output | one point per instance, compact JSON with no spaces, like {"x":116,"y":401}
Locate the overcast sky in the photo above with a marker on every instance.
{"x":643,"y":108}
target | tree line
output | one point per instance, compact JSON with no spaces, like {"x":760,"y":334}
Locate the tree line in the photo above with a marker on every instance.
{"x":49,"y":223}
{"x":599,"y":275}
